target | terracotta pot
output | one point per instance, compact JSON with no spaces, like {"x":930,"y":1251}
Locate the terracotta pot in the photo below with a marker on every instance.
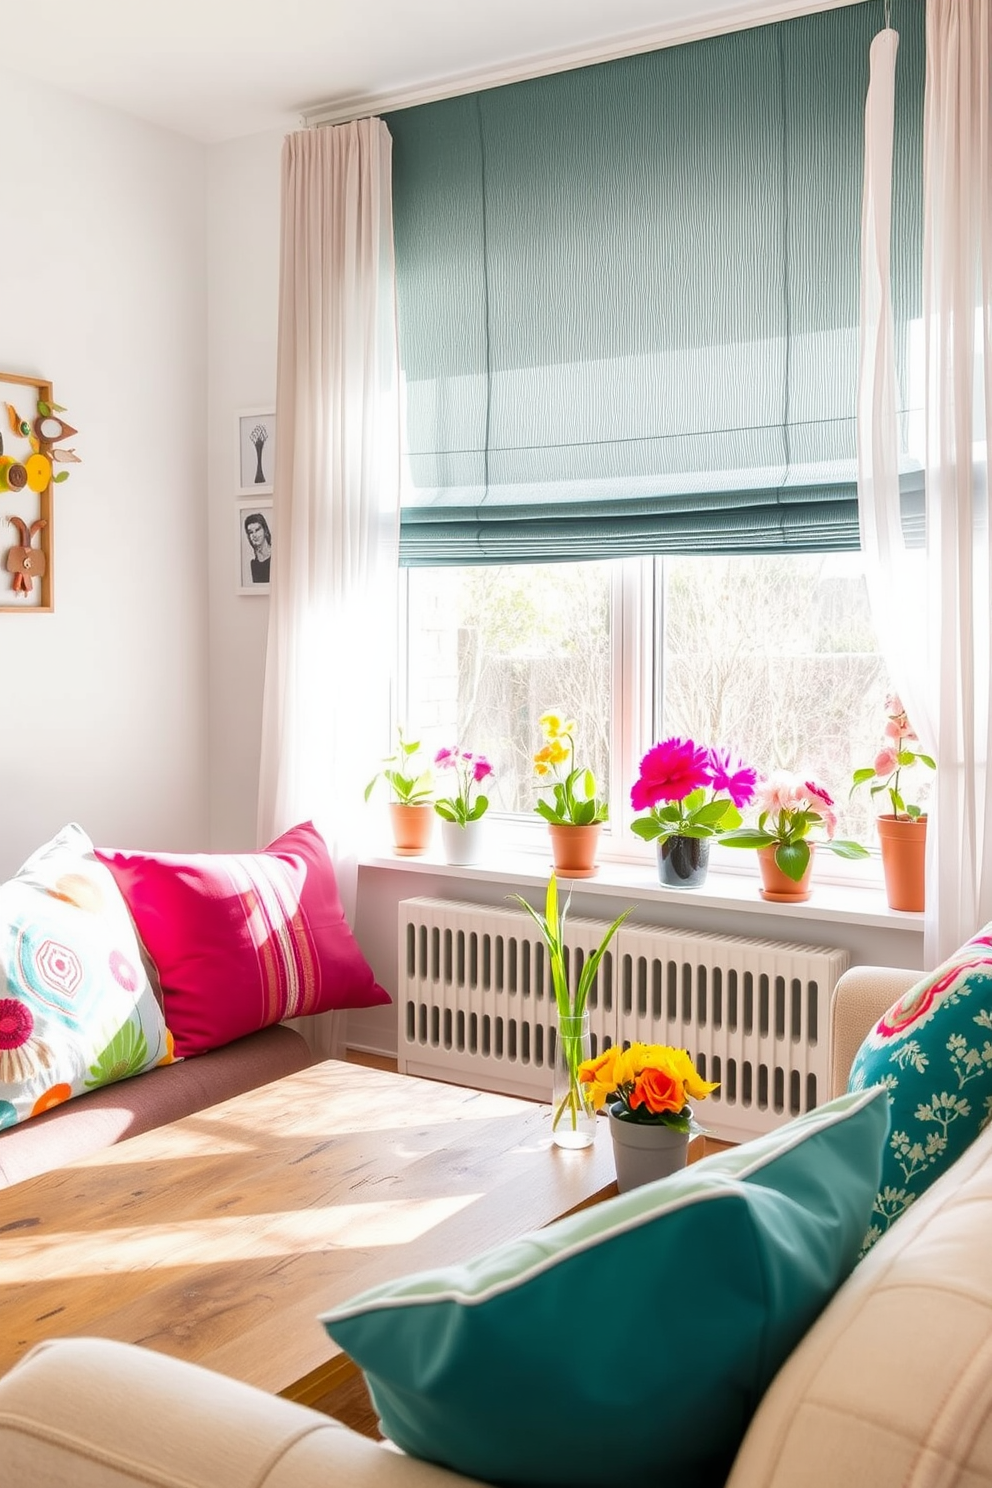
{"x":778,"y":886}
{"x":413,"y":827}
{"x":903,"y":841}
{"x":574,"y":849}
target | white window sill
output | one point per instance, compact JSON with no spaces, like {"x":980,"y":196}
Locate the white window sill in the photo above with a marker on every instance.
{"x":857,"y":902}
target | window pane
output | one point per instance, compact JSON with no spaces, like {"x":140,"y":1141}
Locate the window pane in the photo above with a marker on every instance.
{"x":777,"y":657}
{"x":491,"y":649}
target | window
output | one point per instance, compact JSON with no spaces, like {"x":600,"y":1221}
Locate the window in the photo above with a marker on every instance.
{"x":773,"y":656}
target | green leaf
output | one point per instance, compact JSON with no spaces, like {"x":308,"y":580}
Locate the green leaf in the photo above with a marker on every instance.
{"x":927,"y":760}
{"x":479,"y":809}
{"x":585,"y":813}
{"x":694,"y":799}
{"x":647,"y":828}
{"x":747,"y":837}
{"x":60,"y":476}
{"x":860,"y":776}
{"x":588,"y":784}
{"x":44,"y":408}
{"x":548,"y":813}
{"x":711,"y":813}
{"x":845,"y":849}
{"x":591,"y":965}
{"x":445,"y":811}
{"x":793,"y":859}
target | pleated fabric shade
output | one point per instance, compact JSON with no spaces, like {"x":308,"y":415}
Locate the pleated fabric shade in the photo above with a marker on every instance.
{"x":628,"y":298}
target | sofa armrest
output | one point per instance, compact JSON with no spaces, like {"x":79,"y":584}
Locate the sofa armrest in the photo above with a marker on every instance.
{"x":860,"y":998}
{"x":84,"y":1412}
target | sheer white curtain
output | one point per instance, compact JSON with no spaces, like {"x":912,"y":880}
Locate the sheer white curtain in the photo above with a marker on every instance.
{"x":331,"y":639}
{"x":957,"y":311}
{"x":932,"y":608}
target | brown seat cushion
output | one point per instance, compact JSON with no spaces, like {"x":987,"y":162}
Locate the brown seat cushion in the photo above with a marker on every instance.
{"x":115,"y":1112}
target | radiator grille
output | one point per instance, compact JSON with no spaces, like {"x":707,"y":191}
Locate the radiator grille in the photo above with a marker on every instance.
{"x":476,"y":1006}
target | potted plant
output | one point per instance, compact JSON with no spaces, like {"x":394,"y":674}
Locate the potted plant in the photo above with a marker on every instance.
{"x":790,"y":808}
{"x":702,"y":791}
{"x":410,"y":797}
{"x":461,"y":816}
{"x":575,"y":813}
{"x":573,"y":1116}
{"x":902,"y":833}
{"x":648,"y":1087}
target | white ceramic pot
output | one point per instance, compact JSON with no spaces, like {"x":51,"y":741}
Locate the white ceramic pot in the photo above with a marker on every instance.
{"x":644,"y":1152}
{"x":463,"y":844}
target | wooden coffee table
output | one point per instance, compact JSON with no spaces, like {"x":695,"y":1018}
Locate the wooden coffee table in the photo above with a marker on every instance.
{"x":221,"y":1237}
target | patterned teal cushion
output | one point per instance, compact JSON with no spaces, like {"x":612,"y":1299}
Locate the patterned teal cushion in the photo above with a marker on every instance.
{"x":932,"y":1051}
{"x":629,"y":1343}
{"x":76,"y":1007}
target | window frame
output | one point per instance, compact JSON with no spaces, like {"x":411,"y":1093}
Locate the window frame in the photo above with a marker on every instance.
{"x":637,"y":688}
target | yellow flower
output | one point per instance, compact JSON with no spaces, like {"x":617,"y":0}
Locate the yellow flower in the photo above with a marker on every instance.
{"x":553,"y":727}
{"x":554,"y":753}
{"x":600,"y":1075}
{"x":655,"y":1075}
{"x":683,"y":1067}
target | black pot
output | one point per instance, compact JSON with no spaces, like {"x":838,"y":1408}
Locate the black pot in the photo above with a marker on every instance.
{"x":683,"y":862}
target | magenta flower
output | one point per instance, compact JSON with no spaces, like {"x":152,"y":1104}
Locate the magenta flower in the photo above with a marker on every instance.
{"x":823,"y":805}
{"x":470,"y":770}
{"x":670,"y":771}
{"x":730,"y":776}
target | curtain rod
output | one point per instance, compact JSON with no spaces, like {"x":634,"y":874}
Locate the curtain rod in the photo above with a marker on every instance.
{"x":345,"y":111}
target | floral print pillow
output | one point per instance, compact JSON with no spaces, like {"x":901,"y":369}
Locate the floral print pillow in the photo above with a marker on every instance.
{"x":76,"y":1007}
{"x":933,"y":1052}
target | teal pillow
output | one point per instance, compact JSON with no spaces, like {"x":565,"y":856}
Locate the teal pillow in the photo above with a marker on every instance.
{"x":632,"y":1341}
{"x":932,"y":1051}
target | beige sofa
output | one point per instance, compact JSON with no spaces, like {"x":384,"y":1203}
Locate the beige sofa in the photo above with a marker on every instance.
{"x":891,"y":1386}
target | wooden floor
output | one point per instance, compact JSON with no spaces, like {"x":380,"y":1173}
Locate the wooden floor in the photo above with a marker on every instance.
{"x":349,"y":1402}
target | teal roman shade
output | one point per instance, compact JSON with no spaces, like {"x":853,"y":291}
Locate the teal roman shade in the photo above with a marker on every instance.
{"x":628,"y":298}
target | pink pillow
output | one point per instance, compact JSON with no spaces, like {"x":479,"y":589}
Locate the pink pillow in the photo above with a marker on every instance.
{"x":242,"y":940}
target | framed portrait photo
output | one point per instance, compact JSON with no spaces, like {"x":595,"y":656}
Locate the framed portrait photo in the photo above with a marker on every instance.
{"x":256,"y":451}
{"x":253,"y":538}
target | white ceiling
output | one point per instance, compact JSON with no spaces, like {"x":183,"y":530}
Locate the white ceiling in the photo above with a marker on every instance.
{"x":216,"y":69}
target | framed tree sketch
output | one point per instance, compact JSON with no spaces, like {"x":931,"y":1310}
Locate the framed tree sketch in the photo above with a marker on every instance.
{"x":256,"y":451}
{"x":253,"y":538}
{"x":33,"y":457}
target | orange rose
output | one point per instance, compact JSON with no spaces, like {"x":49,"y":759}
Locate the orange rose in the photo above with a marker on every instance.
{"x":658,"y":1090}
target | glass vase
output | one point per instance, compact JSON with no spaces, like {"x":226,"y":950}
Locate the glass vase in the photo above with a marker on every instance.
{"x":683,"y":862}
{"x":573,"y":1118}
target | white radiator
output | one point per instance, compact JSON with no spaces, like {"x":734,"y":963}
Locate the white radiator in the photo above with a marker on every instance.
{"x":476,"y":1007}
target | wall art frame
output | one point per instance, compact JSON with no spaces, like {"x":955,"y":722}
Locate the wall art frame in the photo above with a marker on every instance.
{"x":26,"y":513}
{"x":254,"y":541}
{"x":256,"y":447}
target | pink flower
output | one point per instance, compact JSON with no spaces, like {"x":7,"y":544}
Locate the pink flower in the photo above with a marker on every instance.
{"x":16,"y":1023}
{"x":781,"y":791}
{"x":729,"y":775}
{"x":885,"y":762}
{"x":670,"y":771}
{"x":822,"y":804}
{"x":481,"y":768}
{"x":446,"y":759}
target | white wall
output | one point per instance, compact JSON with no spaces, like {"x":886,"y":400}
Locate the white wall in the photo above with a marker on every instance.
{"x":103,"y":291}
{"x":243,"y":283}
